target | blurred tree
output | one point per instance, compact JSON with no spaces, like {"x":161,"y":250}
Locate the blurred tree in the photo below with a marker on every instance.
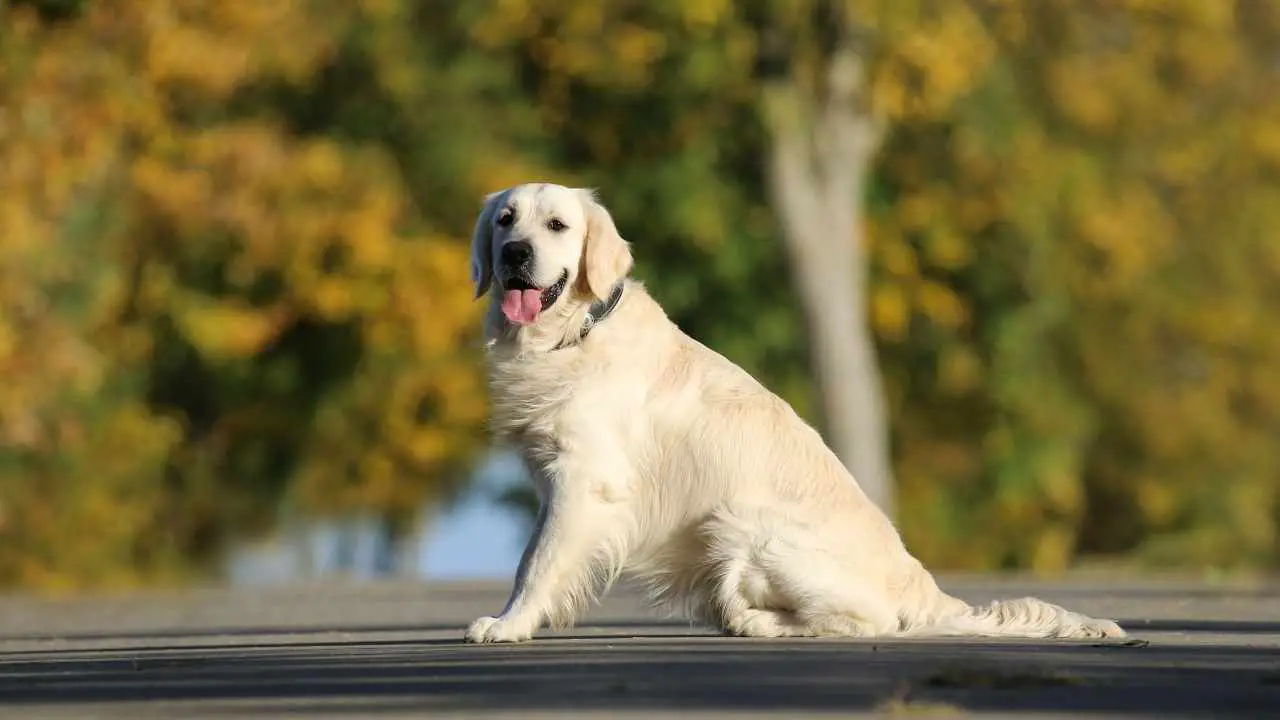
{"x":823,"y":137}
{"x":1159,"y":222}
{"x":825,"y":122}
{"x":1105,"y":393}
{"x":231,"y":288}
{"x":72,"y":505}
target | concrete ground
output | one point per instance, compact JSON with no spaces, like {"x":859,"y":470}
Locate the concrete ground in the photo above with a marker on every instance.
{"x":395,"y":651}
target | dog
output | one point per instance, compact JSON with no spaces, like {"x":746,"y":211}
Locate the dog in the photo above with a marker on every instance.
{"x":656,"y":456}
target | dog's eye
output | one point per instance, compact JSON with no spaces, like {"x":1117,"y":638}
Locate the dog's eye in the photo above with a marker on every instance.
{"x":554,"y":225}
{"x":506,"y":218}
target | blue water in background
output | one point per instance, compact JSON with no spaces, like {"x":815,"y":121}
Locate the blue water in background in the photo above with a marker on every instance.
{"x":475,"y":538}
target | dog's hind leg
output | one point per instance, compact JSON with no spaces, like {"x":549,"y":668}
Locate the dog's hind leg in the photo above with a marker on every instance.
{"x":774,"y":579}
{"x":741,"y":605}
{"x":742,"y":601}
{"x":829,"y":604}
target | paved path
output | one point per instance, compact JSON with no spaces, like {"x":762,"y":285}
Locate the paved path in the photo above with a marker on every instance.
{"x":394,"y":651}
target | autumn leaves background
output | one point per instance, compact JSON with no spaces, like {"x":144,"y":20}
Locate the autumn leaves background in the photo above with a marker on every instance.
{"x":234,"y":285}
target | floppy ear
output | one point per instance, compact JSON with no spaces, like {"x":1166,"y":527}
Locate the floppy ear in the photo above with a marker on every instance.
{"x":482,"y":244}
{"x":606,"y":259}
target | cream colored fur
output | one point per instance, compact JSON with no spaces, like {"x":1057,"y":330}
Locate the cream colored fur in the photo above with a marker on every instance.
{"x":655,"y":455}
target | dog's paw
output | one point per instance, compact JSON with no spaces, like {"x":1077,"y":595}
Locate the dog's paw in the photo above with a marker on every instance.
{"x":763,"y":623}
{"x":1107,"y":629}
{"x":497,"y":630}
{"x":1088,"y":628}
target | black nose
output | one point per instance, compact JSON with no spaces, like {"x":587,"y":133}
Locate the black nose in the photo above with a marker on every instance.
{"x":515,"y":254}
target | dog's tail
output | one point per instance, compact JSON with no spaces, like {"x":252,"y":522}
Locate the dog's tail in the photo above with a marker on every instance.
{"x":1027,"y":617}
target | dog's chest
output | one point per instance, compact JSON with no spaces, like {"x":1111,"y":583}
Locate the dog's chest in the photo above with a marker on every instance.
{"x":531,"y":398}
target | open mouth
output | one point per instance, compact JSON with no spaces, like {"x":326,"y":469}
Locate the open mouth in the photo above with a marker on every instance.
{"x":522,"y":301}
{"x":548,"y":295}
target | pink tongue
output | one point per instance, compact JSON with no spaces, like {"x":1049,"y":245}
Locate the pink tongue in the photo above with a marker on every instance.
{"x":522,"y":306}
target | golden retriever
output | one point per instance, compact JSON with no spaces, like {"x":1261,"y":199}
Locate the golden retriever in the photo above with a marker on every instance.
{"x":656,"y":456}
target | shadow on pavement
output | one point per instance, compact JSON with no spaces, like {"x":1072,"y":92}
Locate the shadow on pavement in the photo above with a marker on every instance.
{"x":655,"y":673}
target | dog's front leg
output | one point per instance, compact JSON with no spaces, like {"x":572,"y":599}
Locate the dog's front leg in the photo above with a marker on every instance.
{"x":565,"y":559}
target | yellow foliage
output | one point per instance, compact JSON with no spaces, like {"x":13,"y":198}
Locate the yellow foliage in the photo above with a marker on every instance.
{"x":1054,"y":548}
{"x":894,"y":254}
{"x":940,"y":305}
{"x":142,"y":217}
{"x":890,"y":312}
{"x":948,"y":250}
{"x":1111,"y":179}
{"x":181,"y":37}
{"x":932,"y":64}
{"x":228,"y":329}
{"x":1158,"y":500}
{"x":1072,"y":82}
{"x":1264,"y":140}
{"x":703,"y":14}
{"x":1129,"y":229}
{"x":959,"y":370}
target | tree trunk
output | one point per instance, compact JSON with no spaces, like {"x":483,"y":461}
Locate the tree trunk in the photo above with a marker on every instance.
{"x":820,"y":157}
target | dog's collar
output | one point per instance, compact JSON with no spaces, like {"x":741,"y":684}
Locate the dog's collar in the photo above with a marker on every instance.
{"x":598,"y":312}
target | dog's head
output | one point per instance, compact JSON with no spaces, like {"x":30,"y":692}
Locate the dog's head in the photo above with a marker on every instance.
{"x":540,"y":245}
